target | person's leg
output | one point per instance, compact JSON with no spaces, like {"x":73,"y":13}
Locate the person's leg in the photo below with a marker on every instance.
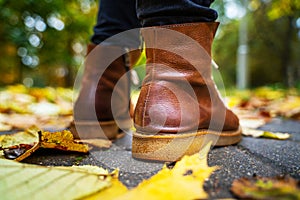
{"x":179,"y":108}
{"x":106,"y":65}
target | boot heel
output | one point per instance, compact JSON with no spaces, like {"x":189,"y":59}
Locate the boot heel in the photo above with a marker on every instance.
{"x":166,"y":147}
{"x":171,"y":147}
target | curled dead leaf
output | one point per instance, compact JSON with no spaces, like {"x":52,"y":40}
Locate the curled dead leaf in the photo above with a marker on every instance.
{"x":20,"y":145}
{"x":20,"y":152}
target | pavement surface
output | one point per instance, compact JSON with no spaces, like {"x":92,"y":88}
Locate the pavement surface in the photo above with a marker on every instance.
{"x":251,"y":157}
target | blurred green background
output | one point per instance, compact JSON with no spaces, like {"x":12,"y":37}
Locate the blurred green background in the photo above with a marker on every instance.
{"x":43,"y":42}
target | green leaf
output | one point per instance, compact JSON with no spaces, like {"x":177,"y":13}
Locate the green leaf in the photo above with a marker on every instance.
{"x":25,"y":181}
{"x":277,"y":135}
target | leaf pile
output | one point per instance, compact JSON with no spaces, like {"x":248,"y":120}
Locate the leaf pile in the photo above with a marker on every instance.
{"x":43,"y":107}
{"x":257,"y":107}
{"x":265,"y":102}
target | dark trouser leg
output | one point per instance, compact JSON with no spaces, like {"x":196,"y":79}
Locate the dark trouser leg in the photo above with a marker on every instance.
{"x":163,"y":12}
{"x":116,"y":16}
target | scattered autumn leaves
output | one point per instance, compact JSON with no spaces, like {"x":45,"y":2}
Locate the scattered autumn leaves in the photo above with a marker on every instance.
{"x":266,"y":102}
{"x":259,"y":106}
{"x":49,"y":108}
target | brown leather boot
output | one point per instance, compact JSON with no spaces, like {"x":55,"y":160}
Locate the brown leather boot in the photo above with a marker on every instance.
{"x":102,"y":103}
{"x":179,"y":108}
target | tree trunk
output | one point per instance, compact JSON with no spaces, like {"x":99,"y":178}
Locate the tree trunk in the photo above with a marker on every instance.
{"x":286,"y":64}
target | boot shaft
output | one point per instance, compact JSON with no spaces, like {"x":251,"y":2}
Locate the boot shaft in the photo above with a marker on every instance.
{"x":182,"y":47}
{"x":178,"y":94}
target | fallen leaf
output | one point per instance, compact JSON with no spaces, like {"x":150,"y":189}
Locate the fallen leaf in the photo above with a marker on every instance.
{"x":266,"y":188}
{"x":18,"y":120}
{"x":62,"y":140}
{"x":54,"y":122}
{"x":252,"y":123}
{"x":20,"y":152}
{"x":5,"y":127}
{"x":45,"y":122}
{"x":91,"y":169}
{"x":269,"y":93}
{"x":288,"y":107}
{"x":265,"y":102}
{"x":276,"y":135}
{"x":20,"y":145}
{"x":115,"y":190}
{"x":265,"y":134}
{"x":26,"y":181}
{"x":44,"y":108}
{"x":252,"y":132}
{"x":99,"y":143}
{"x":184,"y":181}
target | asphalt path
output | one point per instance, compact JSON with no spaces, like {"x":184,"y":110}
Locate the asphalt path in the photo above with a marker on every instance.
{"x":251,"y":157}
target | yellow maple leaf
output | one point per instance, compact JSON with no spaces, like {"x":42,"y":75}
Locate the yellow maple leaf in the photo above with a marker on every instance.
{"x":184,"y":181}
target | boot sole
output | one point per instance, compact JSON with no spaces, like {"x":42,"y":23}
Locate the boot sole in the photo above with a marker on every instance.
{"x":171,"y":147}
{"x":90,"y":129}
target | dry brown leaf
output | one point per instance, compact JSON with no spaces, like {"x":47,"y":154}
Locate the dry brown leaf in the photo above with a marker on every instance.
{"x":98,"y":143}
